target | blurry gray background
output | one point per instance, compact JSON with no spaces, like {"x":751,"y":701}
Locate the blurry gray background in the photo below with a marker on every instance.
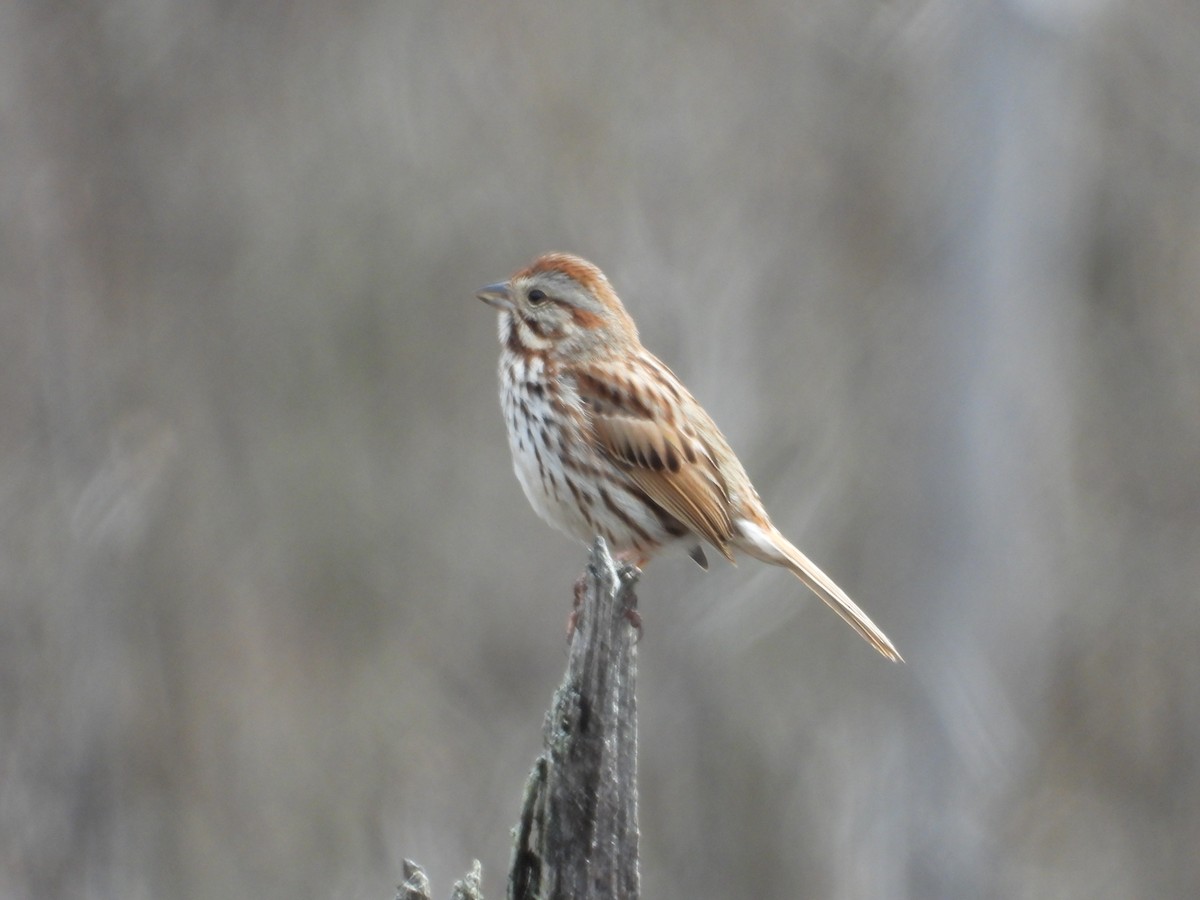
{"x":273,"y":611}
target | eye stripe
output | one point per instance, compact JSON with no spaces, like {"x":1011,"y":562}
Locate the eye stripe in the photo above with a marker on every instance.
{"x":585,"y":319}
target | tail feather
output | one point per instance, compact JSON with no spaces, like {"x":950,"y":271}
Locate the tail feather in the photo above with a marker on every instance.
{"x":770,"y":546}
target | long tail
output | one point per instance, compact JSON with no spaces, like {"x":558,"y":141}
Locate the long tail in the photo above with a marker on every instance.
{"x":772,"y":547}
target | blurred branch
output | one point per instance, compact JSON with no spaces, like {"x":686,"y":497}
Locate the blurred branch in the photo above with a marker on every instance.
{"x":577,"y":838}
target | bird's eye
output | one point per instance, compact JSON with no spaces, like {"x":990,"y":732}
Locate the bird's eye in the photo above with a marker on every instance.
{"x":537,"y":296}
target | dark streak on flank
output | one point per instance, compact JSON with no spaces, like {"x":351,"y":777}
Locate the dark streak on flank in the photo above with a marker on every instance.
{"x":625,"y":518}
{"x":578,"y":495}
{"x":669,"y":523}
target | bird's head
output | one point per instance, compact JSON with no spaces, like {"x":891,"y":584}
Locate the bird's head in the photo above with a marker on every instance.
{"x":561,"y":305}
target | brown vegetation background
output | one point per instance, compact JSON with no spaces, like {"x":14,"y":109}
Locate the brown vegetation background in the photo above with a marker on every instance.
{"x":273,"y":611}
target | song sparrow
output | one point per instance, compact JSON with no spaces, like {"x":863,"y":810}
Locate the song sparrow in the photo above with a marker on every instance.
{"x":606,"y":440}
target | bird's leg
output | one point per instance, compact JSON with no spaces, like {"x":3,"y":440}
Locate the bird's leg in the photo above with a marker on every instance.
{"x":577,"y":605}
{"x":630,"y":612}
{"x":631,"y":564}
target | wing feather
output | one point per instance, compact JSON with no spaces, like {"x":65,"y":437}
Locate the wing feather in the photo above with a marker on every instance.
{"x":640,"y":428}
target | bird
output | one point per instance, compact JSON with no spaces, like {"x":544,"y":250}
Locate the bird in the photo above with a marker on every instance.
{"x":607,"y":441}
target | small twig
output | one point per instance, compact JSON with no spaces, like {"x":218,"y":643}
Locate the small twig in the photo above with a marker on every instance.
{"x":416,"y":884}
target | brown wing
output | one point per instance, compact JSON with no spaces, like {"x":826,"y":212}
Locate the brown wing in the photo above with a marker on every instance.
{"x":642,"y":424}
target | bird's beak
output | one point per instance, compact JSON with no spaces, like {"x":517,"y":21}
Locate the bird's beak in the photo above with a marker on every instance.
{"x":497,"y":295}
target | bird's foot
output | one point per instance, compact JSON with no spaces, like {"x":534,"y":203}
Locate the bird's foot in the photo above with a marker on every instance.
{"x":630,"y":612}
{"x":632,"y":615}
{"x":576,"y":606}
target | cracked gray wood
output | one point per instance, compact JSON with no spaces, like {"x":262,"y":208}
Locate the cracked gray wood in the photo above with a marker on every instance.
{"x":578,"y":833}
{"x":577,"y":838}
